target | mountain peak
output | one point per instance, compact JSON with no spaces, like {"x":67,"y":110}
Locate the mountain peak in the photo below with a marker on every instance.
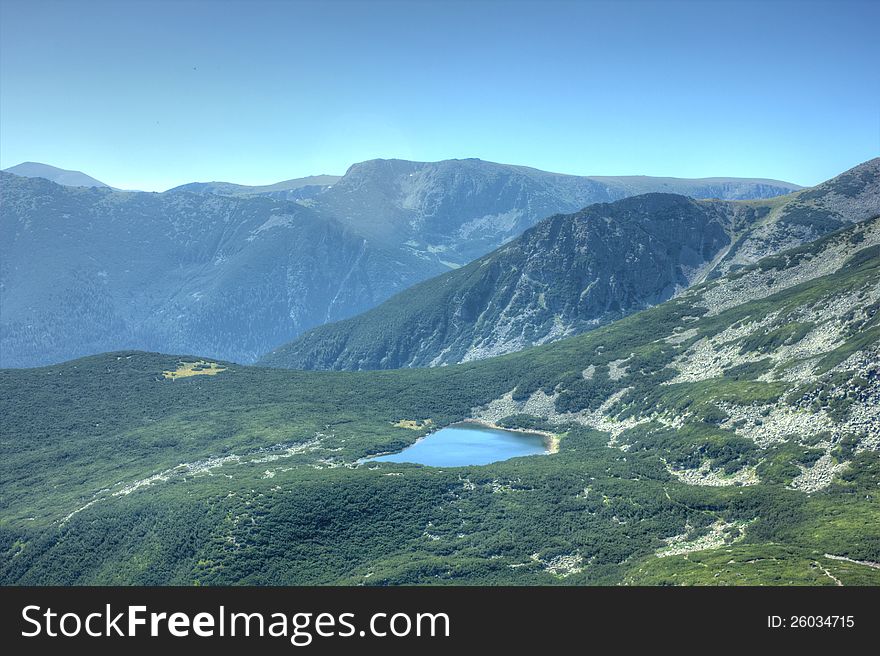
{"x":65,"y":177}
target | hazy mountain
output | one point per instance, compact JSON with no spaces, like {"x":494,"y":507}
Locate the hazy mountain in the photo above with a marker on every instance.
{"x":573,"y":272}
{"x":54,"y":174}
{"x":224,"y":270}
{"x":295,"y":189}
{"x":87,"y":270}
{"x":720,"y":188}
{"x":454,"y":211}
{"x":728,"y":436}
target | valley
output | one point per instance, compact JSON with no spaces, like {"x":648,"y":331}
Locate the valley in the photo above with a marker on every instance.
{"x":725,"y":436}
{"x":413,"y":326}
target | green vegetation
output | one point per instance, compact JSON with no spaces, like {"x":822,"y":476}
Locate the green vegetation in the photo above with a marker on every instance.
{"x":765,"y":564}
{"x":835,"y":393}
{"x":689,"y":446}
{"x":749,"y":370}
{"x":780,"y":463}
{"x":765,"y":342}
{"x":112,"y":473}
{"x":527,"y":422}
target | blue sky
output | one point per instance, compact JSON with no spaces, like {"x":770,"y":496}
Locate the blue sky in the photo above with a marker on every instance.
{"x":149,"y":95}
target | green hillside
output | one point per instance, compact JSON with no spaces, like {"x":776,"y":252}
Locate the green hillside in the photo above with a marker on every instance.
{"x":728,"y":436}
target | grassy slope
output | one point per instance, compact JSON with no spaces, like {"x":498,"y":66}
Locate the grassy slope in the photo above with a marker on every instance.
{"x":290,"y":507}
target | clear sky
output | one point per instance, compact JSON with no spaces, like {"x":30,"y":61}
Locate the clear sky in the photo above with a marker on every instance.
{"x":151,"y":94}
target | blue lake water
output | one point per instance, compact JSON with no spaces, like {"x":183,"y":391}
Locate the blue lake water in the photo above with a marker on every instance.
{"x":468,"y":444}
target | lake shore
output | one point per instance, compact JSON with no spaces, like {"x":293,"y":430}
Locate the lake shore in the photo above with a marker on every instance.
{"x":551,"y":440}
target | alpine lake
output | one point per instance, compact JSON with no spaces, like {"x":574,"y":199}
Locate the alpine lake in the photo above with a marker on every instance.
{"x":466,"y":444}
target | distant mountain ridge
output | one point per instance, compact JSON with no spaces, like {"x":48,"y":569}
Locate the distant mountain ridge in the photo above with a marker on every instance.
{"x":54,"y":174}
{"x":571,"y":273}
{"x":454,"y":211}
{"x":87,"y":269}
{"x":294,"y":189}
{"x":232,"y":271}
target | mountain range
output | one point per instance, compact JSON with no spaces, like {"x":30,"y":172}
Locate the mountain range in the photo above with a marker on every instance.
{"x":726,"y":436}
{"x":233,"y":272}
{"x":87,"y":270}
{"x":571,"y":273}
{"x":454,"y":211}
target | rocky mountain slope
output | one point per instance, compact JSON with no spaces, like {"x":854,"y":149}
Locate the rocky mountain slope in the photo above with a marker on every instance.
{"x":457,"y":210}
{"x":726,"y":436}
{"x":572,"y":273}
{"x":786,"y":347}
{"x":86,"y":270}
{"x":850,"y":197}
{"x":233,"y":271}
